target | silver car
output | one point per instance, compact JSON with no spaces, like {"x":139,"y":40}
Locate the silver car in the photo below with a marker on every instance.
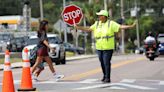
{"x":59,"y":56}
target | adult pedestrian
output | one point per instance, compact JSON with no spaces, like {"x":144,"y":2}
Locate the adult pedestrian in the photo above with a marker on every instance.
{"x":103,"y":31}
{"x":42,"y":52}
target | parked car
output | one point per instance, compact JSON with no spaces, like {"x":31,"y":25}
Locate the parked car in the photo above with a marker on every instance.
{"x":2,"y":46}
{"x":16,"y":44}
{"x":72,"y":48}
{"x":11,"y":45}
{"x":59,"y":56}
{"x":160,"y":39}
{"x":4,"y":39}
{"x":20,"y":43}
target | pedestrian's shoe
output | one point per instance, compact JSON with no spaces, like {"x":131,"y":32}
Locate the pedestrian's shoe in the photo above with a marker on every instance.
{"x":34,"y":77}
{"x":58,"y":76}
{"x":106,"y":81}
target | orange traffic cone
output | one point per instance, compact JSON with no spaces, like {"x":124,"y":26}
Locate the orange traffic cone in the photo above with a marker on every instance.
{"x":8,"y":85}
{"x":26,"y":82}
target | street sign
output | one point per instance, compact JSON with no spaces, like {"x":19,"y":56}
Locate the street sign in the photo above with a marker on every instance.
{"x":72,"y":14}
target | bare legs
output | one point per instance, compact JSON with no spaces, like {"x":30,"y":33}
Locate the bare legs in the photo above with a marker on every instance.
{"x":49,"y":62}
{"x":38,"y":71}
{"x":40,"y":59}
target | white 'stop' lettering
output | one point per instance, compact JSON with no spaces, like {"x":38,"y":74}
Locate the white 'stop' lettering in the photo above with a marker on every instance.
{"x":71,"y":15}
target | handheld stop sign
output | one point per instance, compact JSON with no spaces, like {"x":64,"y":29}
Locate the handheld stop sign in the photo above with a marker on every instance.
{"x":72,"y":14}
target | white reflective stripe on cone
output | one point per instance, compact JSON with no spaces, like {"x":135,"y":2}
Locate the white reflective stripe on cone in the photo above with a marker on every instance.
{"x":7,"y":68}
{"x":25,"y":56}
{"x":7,"y":58}
{"x":26,"y":64}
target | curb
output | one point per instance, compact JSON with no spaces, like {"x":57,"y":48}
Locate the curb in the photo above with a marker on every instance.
{"x":19,"y":64}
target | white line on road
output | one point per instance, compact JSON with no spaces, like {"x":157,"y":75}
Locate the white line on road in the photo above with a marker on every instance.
{"x":161,"y":83}
{"x":118,"y":88}
{"x":136,"y":86}
{"x":95,"y":86}
{"x":89,"y":81}
{"x":17,"y":81}
{"x":58,"y":82}
{"x":115,"y":85}
{"x":128,"y":80}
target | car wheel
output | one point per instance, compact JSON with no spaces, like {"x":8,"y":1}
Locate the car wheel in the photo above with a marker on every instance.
{"x":63,"y":61}
{"x":57,"y":62}
{"x":78,"y":52}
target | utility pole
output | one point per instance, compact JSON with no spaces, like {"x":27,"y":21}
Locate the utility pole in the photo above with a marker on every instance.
{"x":90,"y":1}
{"x":105,"y":4}
{"x":65,"y":31}
{"x":137,"y":25}
{"x":27,"y":16}
{"x":41,"y":9}
{"x":110,"y":10}
{"x":85,"y":35}
{"x":122,"y":31}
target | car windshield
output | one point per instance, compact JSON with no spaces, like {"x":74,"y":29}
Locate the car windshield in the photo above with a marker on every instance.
{"x":161,"y":38}
{"x":5,"y":37}
{"x":32,"y":41}
{"x":19,"y":40}
{"x":55,"y":40}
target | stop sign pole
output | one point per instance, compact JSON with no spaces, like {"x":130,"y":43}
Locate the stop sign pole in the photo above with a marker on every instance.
{"x":72,"y":15}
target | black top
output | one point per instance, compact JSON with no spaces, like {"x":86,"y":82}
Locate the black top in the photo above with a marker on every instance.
{"x":41,"y":37}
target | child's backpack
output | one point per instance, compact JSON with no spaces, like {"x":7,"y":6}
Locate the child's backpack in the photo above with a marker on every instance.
{"x":33,"y":55}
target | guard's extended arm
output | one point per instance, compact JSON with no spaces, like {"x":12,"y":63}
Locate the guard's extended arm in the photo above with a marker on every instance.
{"x":85,"y":29}
{"x":128,"y":26}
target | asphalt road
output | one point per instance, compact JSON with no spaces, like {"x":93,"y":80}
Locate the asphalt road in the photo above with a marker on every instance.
{"x":130,"y":73}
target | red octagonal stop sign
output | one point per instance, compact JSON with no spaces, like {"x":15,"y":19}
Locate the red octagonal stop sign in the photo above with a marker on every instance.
{"x":72,"y":14}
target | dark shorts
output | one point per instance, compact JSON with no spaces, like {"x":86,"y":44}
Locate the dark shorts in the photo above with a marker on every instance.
{"x":43,"y":51}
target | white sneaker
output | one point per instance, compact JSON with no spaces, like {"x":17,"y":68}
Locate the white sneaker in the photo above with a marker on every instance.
{"x":34,"y":77}
{"x":58,"y":77}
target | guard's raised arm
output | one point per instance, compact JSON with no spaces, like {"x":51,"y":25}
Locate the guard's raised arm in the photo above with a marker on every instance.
{"x":128,"y":26}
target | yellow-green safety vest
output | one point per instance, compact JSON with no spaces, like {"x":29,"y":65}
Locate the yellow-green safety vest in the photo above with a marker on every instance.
{"x":104,"y":34}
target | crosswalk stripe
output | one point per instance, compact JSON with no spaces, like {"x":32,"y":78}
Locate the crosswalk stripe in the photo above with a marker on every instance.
{"x":58,"y":82}
{"x":115,"y":86}
{"x":119,"y":88}
{"x":161,"y":83}
{"x":122,"y":85}
{"x":89,"y":81}
{"x":136,"y":86}
{"x":128,"y":80}
{"x":94,"y":86}
{"x":17,"y":81}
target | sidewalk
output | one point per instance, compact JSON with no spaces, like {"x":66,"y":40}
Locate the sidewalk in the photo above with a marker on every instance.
{"x":19,"y":64}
